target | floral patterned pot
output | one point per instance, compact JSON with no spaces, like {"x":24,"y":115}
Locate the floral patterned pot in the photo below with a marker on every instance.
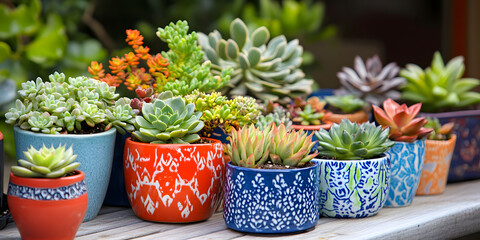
{"x":94,"y":152}
{"x":174,"y":182}
{"x":438,"y":155}
{"x":353,"y":188}
{"x":48,"y":208}
{"x":405,"y":170}
{"x":271,"y":200}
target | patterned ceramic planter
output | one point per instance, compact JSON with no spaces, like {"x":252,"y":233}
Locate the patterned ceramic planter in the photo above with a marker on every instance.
{"x":94,"y":152}
{"x":174,"y":182}
{"x":438,"y":155}
{"x":48,"y":208}
{"x":271,"y":200}
{"x":405,"y":170}
{"x":353,"y":188}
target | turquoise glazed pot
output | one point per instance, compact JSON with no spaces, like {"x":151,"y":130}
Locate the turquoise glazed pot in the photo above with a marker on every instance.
{"x":353,"y":188}
{"x":405,"y":171}
{"x":271,"y":200}
{"x":94,"y":152}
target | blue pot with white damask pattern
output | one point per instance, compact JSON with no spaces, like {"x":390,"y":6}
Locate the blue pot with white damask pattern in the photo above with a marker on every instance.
{"x":353,"y":188}
{"x":271,"y":200}
{"x":405,"y":171}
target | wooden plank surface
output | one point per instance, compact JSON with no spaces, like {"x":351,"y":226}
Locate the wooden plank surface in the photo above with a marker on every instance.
{"x":452,"y":214}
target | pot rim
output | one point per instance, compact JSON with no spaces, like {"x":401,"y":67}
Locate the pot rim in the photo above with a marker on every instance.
{"x":70,"y":135}
{"x":48,"y":182}
{"x":381,"y":157}
{"x":453,"y":137}
{"x":461,"y":113}
{"x":214,"y":141}
{"x":245,"y":169}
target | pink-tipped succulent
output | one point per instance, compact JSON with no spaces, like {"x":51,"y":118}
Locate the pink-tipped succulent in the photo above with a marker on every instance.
{"x":401,"y":119}
{"x":290,"y":147}
{"x":249,"y":146}
{"x":144,"y":95}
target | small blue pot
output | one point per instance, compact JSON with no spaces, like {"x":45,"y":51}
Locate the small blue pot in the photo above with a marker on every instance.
{"x":94,"y":152}
{"x":405,"y":171}
{"x":116,"y":192}
{"x":353,"y":188}
{"x":271,"y":200}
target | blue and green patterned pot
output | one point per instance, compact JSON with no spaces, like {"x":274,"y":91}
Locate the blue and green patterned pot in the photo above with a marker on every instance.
{"x":94,"y":152}
{"x":353,"y":188}
{"x":271,"y":200}
{"x":405,"y":171}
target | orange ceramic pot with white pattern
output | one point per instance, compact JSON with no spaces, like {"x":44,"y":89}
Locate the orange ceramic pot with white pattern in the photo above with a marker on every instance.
{"x":438,"y":155}
{"x":174,"y":182}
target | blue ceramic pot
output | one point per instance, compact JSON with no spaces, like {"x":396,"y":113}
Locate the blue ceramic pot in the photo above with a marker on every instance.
{"x":94,"y":152}
{"x":353,"y":188}
{"x":271,"y":200}
{"x":405,"y":171}
{"x":116,"y":192}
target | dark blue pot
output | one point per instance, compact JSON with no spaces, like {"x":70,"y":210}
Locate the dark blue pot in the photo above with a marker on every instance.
{"x":466,"y":155}
{"x":271,"y":200}
{"x":116,"y":192}
{"x":322,"y":92}
{"x":219,"y":134}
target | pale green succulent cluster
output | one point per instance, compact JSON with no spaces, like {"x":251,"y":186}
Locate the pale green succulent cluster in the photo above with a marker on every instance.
{"x":251,"y":147}
{"x":352,"y":141}
{"x":267,"y":70}
{"x":70,"y":105}
{"x":185,"y":62}
{"x":46,"y":162}
{"x":279,"y":115}
{"x":168,"y":119}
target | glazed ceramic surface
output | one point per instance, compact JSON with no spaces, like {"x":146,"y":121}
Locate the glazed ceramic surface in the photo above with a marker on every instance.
{"x":353,"y":188}
{"x":174,"y":182}
{"x":405,"y":170}
{"x":438,"y":155}
{"x":270,"y":200}
{"x":48,"y":208}
{"x":94,"y":152}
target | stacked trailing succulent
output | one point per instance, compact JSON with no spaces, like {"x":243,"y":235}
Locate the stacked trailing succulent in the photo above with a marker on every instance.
{"x":73,"y":105}
{"x":168,"y":119}
{"x":371,"y":81}
{"x":310,"y":112}
{"x":252,"y":147}
{"x":401,"y":120}
{"x":46,"y":163}
{"x":352,"y":141}
{"x":222,"y":112}
{"x":266,"y":70}
{"x":440,"y":132}
{"x":181,"y":69}
{"x":276,"y":114}
{"x":440,"y":87}
{"x":344,"y":103}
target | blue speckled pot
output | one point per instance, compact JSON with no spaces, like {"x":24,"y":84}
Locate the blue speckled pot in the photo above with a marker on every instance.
{"x":95,"y":154}
{"x":353,"y":188}
{"x":271,"y":200}
{"x":405,"y":171}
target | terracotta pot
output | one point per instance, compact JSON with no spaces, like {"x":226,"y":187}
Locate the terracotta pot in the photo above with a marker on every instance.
{"x":359,"y":117}
{"x":174,"y":182}
{"x":48,"y":208}
{"x":438,"y":155}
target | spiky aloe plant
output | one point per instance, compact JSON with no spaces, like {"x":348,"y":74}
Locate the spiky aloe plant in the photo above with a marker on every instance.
{"x":440,"y":86}
{"x":290,"y":147}
{"x":440,"y":132}
{"x":168,"y":119}
{"x":401,"y":121}
{"x":352,"y":141}
{"x":371,"y":81}
{"x":267,"y":70}
{"x":249,"y":146}
{"x":46,"y":162}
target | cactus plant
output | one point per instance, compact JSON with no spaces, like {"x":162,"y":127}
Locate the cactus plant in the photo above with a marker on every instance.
{"x":401,"y":120}
{"x":267,"y":70}
{"x":46,"y":162}
{"x":440,"y":132}
{"x":439,"y":87}
{"x":73,"y":105}
{"x":353,"y":141}
{"x":371,"y":81}
{"x":167,"y":119}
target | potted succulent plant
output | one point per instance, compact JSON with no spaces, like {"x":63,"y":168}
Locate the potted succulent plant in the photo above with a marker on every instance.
{"x":354,"y":169}
{"x":438,"y":155}
{"x":347,"y":107}
{"x":445,"y":95}
{"x":47,"y":197}
{"x":309,"y":115}
{"x":271,"y":184}
{"x":76,"y":111}
{"x":273,"y":112}
{"x":171,"y":173}
{"x":408,"y":153}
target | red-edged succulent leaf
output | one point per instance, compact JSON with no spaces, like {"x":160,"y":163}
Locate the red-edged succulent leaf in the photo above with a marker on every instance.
{"x":390,"y":107}
{"x":414,"y":126}
{"x":382,"y":117}
{"x":446,"y":128}
{"x":424,"y":132}
{"x":405,"y":138}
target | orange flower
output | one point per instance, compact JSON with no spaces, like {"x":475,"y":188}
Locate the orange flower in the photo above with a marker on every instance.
{"x":142,"y":52}
{"x":132,"y":59}
{"x":111,"y":80}
{"x":96,"y":70}
{"x":117,"y":64}
{"x":134,"y":38}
